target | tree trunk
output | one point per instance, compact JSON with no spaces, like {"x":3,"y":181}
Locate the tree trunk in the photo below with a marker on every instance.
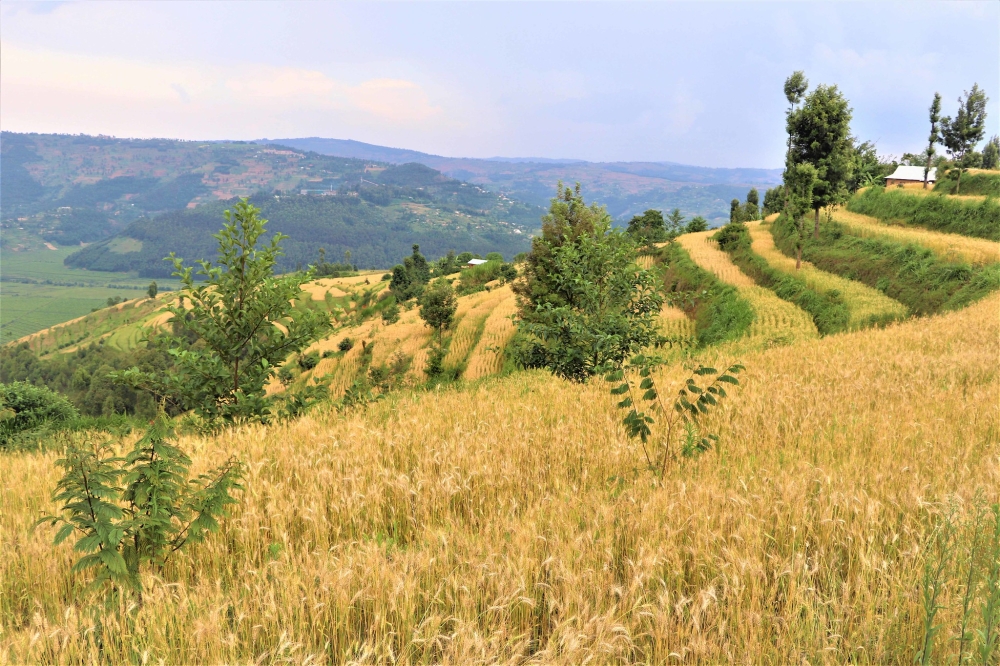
{"x":798,"y":246}
{"x":816,"y":225}
{"x":958,"y":185}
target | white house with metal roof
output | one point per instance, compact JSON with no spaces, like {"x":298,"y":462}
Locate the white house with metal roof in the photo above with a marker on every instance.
{"x":909,"y":175}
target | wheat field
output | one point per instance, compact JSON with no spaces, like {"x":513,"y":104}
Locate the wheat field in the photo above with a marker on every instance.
{"x":776,"y":321}
{"x":948,"y":246}
{"x":509,"y":521}
{"x":864,"y":302}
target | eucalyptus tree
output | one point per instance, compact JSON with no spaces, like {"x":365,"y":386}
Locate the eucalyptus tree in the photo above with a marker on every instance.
{"x":820,"y":134}
{"x":962,"y":133}
{"x":935,"y":137}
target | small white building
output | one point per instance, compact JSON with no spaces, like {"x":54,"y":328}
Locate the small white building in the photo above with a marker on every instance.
{"x":910,"y":175}
{"x":475,"y":262}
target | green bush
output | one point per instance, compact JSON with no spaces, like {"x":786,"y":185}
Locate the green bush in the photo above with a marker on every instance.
{"x":720,"y":313}
{"x":828,"y":310}
{"x":977,"y":219}
{"x":309,"y":361}
{"x":26,"y":409}
{"x":345,"y":345}
{"x":913,"y":275}
{"x":987,"y":184}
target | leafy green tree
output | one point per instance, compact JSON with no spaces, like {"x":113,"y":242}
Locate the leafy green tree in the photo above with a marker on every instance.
{"x":438,"y":305}
{"x":774,"y":200}
{"x":751,"y":209}
{"x":583,"y":303}
{"x":935,"y":136}
{"x":675,"y":223}
{"x":242,"y":320}
{"x":867,"y":167}
{"x":697,"y":223}
{"x":152,"y":291}
{"x":819,"y":134}
{"x":409,"y":278}
{"x":735,"y":212}
{"x":494,"y":256}
{"x":962,"y":133}
{"x":991,"y":154}
{"x":799,"y":184}
{"x":648,"y":227}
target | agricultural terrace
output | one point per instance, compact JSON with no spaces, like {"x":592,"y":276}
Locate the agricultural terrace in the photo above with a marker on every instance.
{"x":505,"y":521}
{"x":509,"y":518}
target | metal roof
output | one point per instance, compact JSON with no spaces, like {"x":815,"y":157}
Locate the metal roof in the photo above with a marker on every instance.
{"x":476,"y":262}
{"x":915,"y":173}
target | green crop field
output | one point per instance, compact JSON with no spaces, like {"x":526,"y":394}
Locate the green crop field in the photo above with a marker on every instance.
{"x":37,"y":291}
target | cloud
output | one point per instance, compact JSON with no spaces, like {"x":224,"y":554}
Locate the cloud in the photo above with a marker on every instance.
{"x":393,"y":99}
{"x":100,"y":89}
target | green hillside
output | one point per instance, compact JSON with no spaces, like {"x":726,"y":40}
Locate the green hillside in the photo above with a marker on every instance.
{"x":377,"y":222}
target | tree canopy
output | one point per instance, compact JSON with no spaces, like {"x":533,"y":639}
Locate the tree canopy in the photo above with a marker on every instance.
{"x":583,"y":303}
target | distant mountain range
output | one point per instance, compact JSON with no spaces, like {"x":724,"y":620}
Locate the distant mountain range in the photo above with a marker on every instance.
{"x":626,"y":188}
{"x":133,"y":201}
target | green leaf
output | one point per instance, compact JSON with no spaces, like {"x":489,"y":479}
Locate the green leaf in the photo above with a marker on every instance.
{"x":728,"y":379}
{"x":619,"y":390}
{"x":646,"y":383}
{"x":627,"y":402}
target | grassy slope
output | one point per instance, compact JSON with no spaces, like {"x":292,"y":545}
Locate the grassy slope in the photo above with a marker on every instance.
{"x":505,"y":522}
{"x":921,"y":279}
{"x":28,"y":305}
{"x":775,"y":321}
{"x":865,"y":305}
{"x":938,"y":213}
{"x":974,"y":182}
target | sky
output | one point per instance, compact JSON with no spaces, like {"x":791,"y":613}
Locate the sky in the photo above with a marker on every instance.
{"x":690,"y":82}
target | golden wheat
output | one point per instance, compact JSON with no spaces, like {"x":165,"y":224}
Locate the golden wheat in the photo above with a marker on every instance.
{"x":952,"y":247}
{"x":776,"y":321}
{"x":505,"y":523}
{"x":474,"y":312}
{"x":673,"y":323}
{"x":864,"y":302}
{"x":486,"y":358}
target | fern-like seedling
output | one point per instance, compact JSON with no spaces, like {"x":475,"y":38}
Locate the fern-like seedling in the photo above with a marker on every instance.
{"x":135,"y":511}
{"x":691,"y":403}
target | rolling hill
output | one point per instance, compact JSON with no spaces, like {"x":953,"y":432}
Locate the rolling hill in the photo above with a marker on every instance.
{"x":626,"y":188}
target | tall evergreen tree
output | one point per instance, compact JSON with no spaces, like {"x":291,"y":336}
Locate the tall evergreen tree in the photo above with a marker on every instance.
{"x":675,"y":222}
{"x":751,"y":209}
{"x":795,"y":87}
{"x":735,"y":212}
{"x":799,"y":185}
{"x":935,"y":137}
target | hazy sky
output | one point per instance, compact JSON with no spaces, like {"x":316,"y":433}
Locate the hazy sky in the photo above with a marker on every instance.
{"x":697,"y":83}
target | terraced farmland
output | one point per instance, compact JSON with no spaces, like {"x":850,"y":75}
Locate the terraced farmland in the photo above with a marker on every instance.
{"x":947,"y":246}
{"x":864,"y":303}
{"x":776,"y":321}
